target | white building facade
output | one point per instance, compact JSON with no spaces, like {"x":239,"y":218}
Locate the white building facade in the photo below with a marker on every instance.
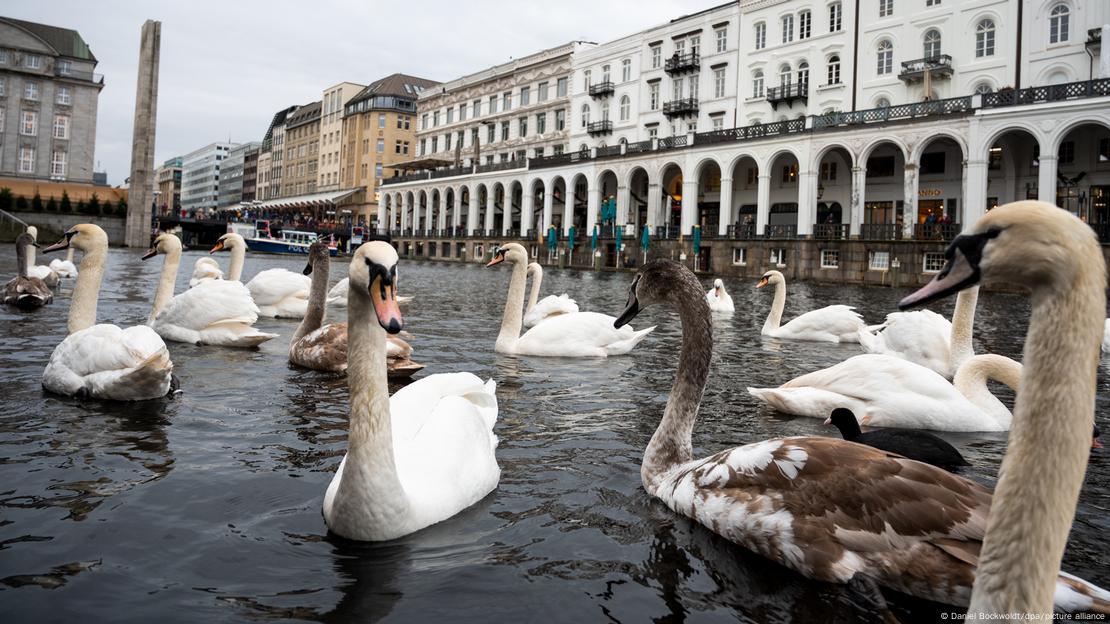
{"x":200,"y":176}
{"x":906,"y":127}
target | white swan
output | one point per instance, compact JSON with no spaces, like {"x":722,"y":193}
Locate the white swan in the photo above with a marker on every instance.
{"x":925,"y":337}
{"x":1106,"y":336}
{"x":835,"y":323}
{"x":718,"y":298}
{"x":278,"y":293}
{"x":886,"y":391}
{"x":581,"y":334}
{"x":842,"y":512}
{"x":64,"y":268}
{"x":550,"y":305}
{"x":337,"y":296}
{"x":416,"y":458}
{"x":205,"y":269}
{"x":103,"y":361}
{"x":40,"y":271}
{"x":214,"y":312}
{"x":23,"y":291}
{"x":1056,"y":256}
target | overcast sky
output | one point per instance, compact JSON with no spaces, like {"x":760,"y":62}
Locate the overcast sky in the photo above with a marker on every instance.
{"x":227,"y":66}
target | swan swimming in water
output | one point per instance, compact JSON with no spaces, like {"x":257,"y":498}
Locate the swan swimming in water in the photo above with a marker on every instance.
{"x":278,"y":293}
{"x":719,"y":300}
{"x":41,"y":271}
{"x":23,"y":291}
{"x":420,"y":456}
{"x":925,"y":337}
{"x":898,"y":523}
{"x":205,"y":269}
{"x":549,"y":306}
{"x":835,"y":323}
{"x":337,"y":296}
{"x":64,"y":268}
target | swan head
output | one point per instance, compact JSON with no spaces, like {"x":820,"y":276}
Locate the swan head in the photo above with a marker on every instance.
{"x":513,"y":252}
{"x":1028,"y":243}
{"x":163,"y":243}
{"x":374,"y":267}
{"x":230,"y":240}
{"x":25,"y":240}
{"x":718,"y":285}
{"x":84,"y":237}
{"x":662,"y":281}
{"x":770,"y":277}
{"x":33,"y":231}
{"x":317,"y":253}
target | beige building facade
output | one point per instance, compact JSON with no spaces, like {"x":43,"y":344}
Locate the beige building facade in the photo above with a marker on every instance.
{"x":331,"y":133}
{"x":302,"y":150}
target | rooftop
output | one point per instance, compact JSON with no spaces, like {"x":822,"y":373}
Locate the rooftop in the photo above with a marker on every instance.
{"x":400,"y":85}
{"x":64,"y":41}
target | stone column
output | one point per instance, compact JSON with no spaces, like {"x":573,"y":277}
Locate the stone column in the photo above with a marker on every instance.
{"x":624,"y":199}
{"x":416,"y":216}
{"x":472,"y":213}
{"x":725,"y":218}
{"x":548,"y":207}
{"x":456,"y":217}
{"x":807,"y":202}
{"x":593,"y":206}
{"x":859,"y":192}
{"x":909,"y":203}
{"x":443,"y":208}
{"x":654,"y":199}
{"x":491,"y":207}
{"x":527,"y":206}
{"x":568,"y":210}
{"x":405,"y":206}
{"x":141,"y":192}
{"x":975,"y":204}
{"x":689,"y":206}
{"x":381,"y":218}
{"x":1046,"y":179}
{"x":763,"y":204}
{"x":429,"y":213}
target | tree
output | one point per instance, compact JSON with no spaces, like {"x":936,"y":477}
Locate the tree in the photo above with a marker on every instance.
{"x":36,"y":203}
{"x":121,"y":208}
{"x":52,"y":204}
{"x":94,"y":205}
{"x":21,"y":204}
{"x":66,"y":206}
{"x":81,"y":207}
{"x":6,"y":199}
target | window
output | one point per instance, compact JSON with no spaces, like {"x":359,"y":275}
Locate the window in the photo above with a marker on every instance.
{"x":541,"y":123}
{"x":380,"y":147}
{"x":828,"y":171}
{"x":930,"y":3}
{"x":585,"y":115}
{"x":787,"y":28}
{"x":626,"y":108}
{"x":719,"y":83}
{"x":722,"y":39}
{"x":833,"y":74}
{"x":880,"y":167}
{"x":694,"y":82}
{"x":626,"y":70}
{"x":656,"y":56}
{"x":491,"y":133}
{"x":830,"y":259}
{"x":931,"y":46}
{"x":879,"y":261}
{"x":462,"y":115}
{"x":381,"y":120}
{"x":778,"y":257}
{"x":740,"y":255}
{"x":1059,"y":24}
{"x":757,"y":83}
{"x":492,"y":104}
{"x":695,"y":45}
{"x":884,"y":57}
{"x":932,"y":262}
{"x":718,"y":122}
{"x":525,"y":96}
{"x":507,"y":101}
{"x":32,"y":61}
{"x":31,"y":91}
{"x":30,"y":125}
{"x":786,"y":75}
{"x":983,"y":88}
{"x":886,"y":8}
{"x":557,"y":150}
{"x":504,"y":131}
{"x":1066,"y":155}
{"x":653,"y":133}
{"x":805,"y":22}
{"x":541,"y":93}
{"x":789,"y":173}
{"x":3,"y":57}
{"x":653,"y":96}
{"x":476,"y":108}
{"x":882,"y":103}
{"x":1103,"y":145}
{"x":561,"y":87}
{"x":984,"y":38}
{"x":522,"y":126}
{"x":760,"y":36}
{"x":836,"y":17}
{"x":424,"y":121}
{"x":560,"y":119}
{"x":676,"y":88}
{"x":803,"y":76}
{"x":58,"y":163}
{"x":586,"y":80}
{"x":61,"y":126}
{"x":1,"y":120}
{"x":26,"y":160}
{"x":450,"y":115}
{"x":64,"y":67}
{"x":378,"y":169}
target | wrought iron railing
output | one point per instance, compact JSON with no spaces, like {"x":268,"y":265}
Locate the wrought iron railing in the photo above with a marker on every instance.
{"x":452,"y":171}
{"x":684,"y":106}
{"x":682,"y":62}
{"x":601,"y":88}
{"x":673,"y":142}
{"x":880,"y":231}
{"x":939,"y":65}
{"x":1048,"y":93}
{"x":936,"y":231}
{"x":788,"y":93}
{"x":830,"y":231}
{"x":609,"y":150}
{"x":599,"y":127}
{"x":781,"y":231}
{"x":638,"y":147}
{"x":501,"y":166}
{"x":741,"y":231}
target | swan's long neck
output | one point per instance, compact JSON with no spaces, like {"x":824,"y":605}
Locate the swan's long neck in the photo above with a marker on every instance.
{"x":370,"y":488}
{"x":536,"y":272}
{"x":671,"y":444}
{"x":22,"y":258}
{"x":238,"y":257}
{"x":30,"y":255}
{"x":82,"y":308}
{"x":1041,"y":474}
{"x":317,"y":301}
{"x":513,"y":317}
{"x":69,"y":254}
{"x":779,"y":304}
{"x":963,"y":326}
{"x":165,"y":283}
{"x":971,"y":381}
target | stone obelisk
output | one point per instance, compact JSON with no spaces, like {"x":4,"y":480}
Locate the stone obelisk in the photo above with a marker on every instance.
{"x":139,"y":196}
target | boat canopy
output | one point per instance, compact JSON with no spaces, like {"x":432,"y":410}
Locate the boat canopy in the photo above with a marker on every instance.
{"x":312,"y":200}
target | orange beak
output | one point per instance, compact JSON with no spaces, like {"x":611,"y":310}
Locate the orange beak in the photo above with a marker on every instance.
{"x":762,"y":283}
{"x":219,"y":247}
{"x":384,"y":298}
{"x":496,"y":260}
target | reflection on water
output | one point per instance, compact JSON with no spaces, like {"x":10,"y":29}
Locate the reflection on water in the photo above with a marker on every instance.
{"x":209,"y":503}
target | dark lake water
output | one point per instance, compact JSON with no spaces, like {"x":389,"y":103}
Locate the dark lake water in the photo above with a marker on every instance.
{"x":207,"y":507}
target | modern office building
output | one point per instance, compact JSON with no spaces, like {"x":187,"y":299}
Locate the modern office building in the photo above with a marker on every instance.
{"x":231,"y":174}
{"x":200,"y":177}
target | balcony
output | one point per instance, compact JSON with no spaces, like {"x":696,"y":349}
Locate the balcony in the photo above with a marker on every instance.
{"x":680,"y":63}
{"x":880,"y":231}
{"x":939,"y":66}
{"x":741,"y":231}
{"x":602,"y":89}
{"x":681,"y":108}
{"x":830,"y":231}
{"x":781,"y":231}
{"x":788,"y":94}
{"x":597,"y":128}
{"x":936,"y":231}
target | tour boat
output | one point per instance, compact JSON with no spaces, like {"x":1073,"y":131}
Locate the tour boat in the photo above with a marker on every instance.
{"x":258,"y":238}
